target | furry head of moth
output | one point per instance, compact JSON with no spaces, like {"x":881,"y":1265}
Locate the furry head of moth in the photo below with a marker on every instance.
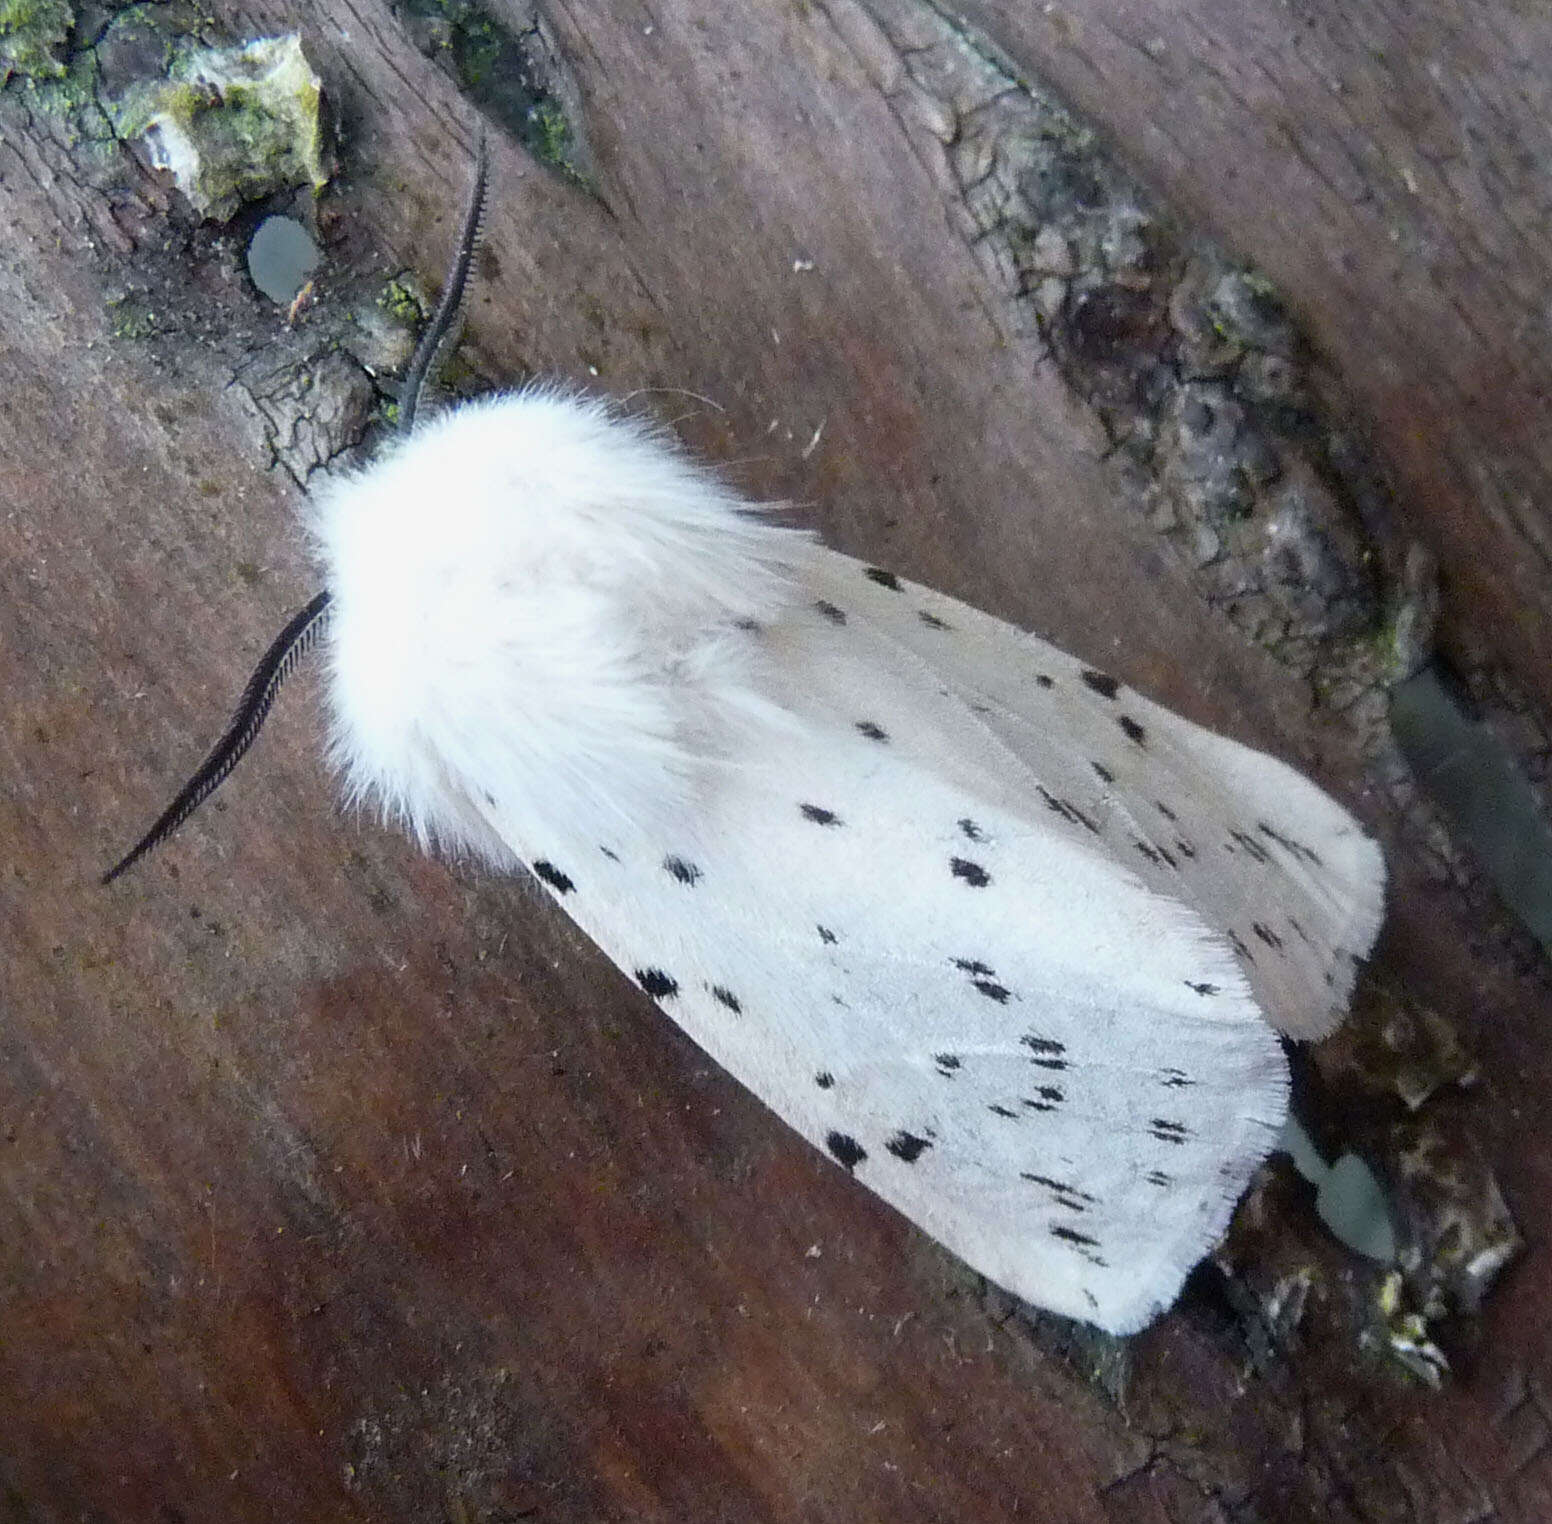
{"x":1008,"y":942}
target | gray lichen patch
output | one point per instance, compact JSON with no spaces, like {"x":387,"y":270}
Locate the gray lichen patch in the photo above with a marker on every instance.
{"x":71,"y":99}
{"x":132,"y":316}
{"x":33,"y":34}
{"x":1197,"y":376}
{"x":1394,"y":1084}
{"x":1400,"y":1333}
{"x":383,"y":328}
{"x":1458,"y":1229}
{"x":231,"y":124}
{"x":405,"y":300}
{"x":1224,"y":429}
{"x":1396,"y":1049}
{"x":1295,"y":1288}
{"x":1458,"y":1236}
{"x":385,"y":338}
{"x":1310,"y":554}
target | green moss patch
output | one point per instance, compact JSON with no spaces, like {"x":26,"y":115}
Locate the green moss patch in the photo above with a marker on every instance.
{"x":32,"y":38}
{"x":232,"y":124}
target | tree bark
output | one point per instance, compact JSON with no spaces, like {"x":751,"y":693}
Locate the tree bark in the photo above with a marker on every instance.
{"x":339,"y":1183}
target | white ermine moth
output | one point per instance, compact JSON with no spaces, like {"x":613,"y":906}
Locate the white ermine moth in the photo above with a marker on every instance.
{"x":1010,"y":943}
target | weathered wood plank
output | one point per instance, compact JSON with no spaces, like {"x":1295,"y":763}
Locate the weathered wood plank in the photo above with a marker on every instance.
{"x":338,"y":1184}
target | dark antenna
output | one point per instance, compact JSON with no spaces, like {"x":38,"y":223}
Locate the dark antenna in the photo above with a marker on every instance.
{"x":286,"y":650}
{"x":305,"y":627}
{"x":452,"y":292}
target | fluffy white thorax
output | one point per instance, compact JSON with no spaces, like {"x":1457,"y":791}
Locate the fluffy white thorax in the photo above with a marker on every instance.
{"x":535,"y":606}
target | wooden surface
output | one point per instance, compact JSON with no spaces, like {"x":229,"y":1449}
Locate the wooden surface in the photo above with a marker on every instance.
{"x":1387,"y":166}
{"x":339,"y":1184}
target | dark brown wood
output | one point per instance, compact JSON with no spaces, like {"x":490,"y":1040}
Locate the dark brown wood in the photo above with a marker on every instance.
{"x":1386,"y":166}
{"x":336,"y":1183}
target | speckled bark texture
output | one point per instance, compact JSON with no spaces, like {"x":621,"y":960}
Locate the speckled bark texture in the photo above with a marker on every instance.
{"x":340,"y":1184}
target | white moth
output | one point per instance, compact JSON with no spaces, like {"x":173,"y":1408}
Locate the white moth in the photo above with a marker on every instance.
{"x":1007,"y":941}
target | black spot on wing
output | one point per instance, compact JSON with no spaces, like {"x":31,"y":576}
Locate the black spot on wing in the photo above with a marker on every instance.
{"x":1101,"y":683}
{"x":827,"y":936}
{"x":1132,"y":730}
{"x":748,"y":626}
{"x":1045,"y":1098}
{"x":970,"y":830}
{"x":871,"y":731}
{"x":1175,"y":1079}
{"x":685,"y":872}
{"x":1288,"y":844}
{"x":932,"y":621}
{"x":613,"y":857}
{"x":656,"y":983}
{"x":993,"y":991}
{"x":848,"y":1152}
{"x":1066,"y":1195}
{"x":1072,"y":1236}
{"x":1159,"y":1178}
{"x":1066,"y":809}
{"x":1252,"y":846}
{"x":1047,"y":1051}
{"x":1167,"y":1131}
{"x":819,"y":815}
{"x":1042,"y":681}
{"x":1267,"y":935}
{"x":883,"y":578}
{"x":552,"y":875}
{"x":725,"y":996}
{"x":976,"y":967}
{"x":1155,"y":855}
{"x":1105,"y":775}
{"x":1201,"y":987}
{"x":907,"y":1146}
{"x":948,"y":1064}
{"x":1238,"y":943}
{"x":1184,"y":848}
{"x":825,"y":1080}
{"x":1003,"y":1111}
{"x":1165,"y":811}
{"x":830,"y":612}
{"x":971,"y":873}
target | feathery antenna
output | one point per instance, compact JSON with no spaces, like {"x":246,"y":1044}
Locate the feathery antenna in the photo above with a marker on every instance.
{"x":452,"y":292}
{"x":287,"y":649}
{"x":305,"y":627}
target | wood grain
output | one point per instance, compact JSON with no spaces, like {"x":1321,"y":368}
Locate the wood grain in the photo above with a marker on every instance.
{"x":336,"y":1183}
